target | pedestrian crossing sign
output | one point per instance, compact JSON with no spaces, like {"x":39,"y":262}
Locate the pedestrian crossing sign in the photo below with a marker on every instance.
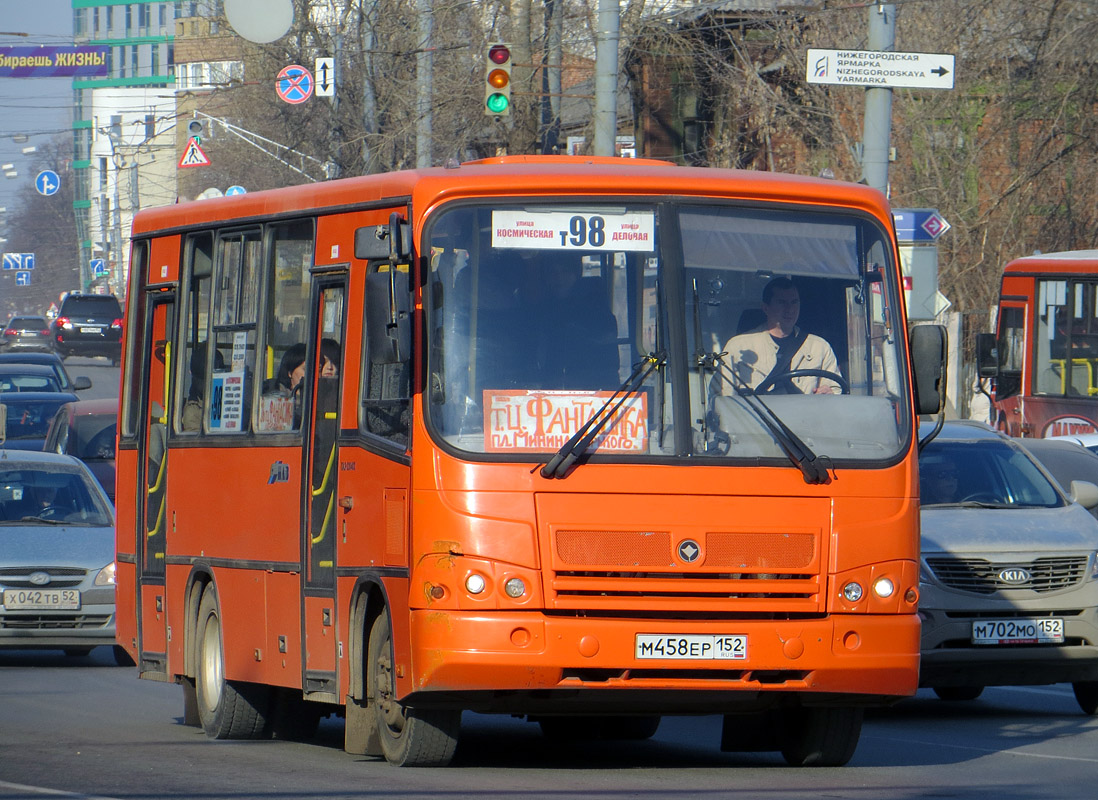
{"x":193,"y":156}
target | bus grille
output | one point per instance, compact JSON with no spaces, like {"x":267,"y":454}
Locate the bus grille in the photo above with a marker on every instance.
{"x":752,"y":572}
{"x":981,"y":576}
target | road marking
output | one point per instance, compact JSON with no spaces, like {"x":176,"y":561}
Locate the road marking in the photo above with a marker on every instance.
{"x":986,"y":749}
{"x":18,"y":787}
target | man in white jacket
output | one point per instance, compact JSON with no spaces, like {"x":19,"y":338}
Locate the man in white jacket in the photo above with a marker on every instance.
{"x":755,"y":354}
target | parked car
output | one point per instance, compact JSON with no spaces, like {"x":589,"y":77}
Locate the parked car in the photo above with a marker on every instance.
{"x":54,"y":362}
{"x":28,"y":378}
{"x":27,"y":417}
{"x":89,"y":325}
{"x":56,"y":556}
{"x":1009,"y":573}
{"x":86,"y":430}
{"x":1065,"y":460}
{"x":1087,"y":440}
{"x":26,"y":333}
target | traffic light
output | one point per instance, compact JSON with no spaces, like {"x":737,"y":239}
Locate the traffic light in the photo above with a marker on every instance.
{"x":497,"y":80}
{"x":197,"y":129}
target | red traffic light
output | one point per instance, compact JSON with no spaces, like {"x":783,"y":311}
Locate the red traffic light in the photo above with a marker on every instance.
{"x":499,"y":54}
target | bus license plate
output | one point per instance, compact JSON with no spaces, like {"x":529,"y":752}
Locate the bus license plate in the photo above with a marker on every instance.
{"x":695,"y":647}
{"x":42,"y":599}
{"x":1044,"y":630}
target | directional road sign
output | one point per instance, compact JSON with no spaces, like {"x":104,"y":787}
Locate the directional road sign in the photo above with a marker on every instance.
{"x":18,"y":260}
{"x":98,"y":266}
{"x":919,"y":224}
{"x":194,"y":156}
{"x":294,"y":84}
{"x":235,"y":190}
{"x":886,"y":69}
{"x":22,"y":279}
{"x":325,"y":77}
{"x":47,"y":182}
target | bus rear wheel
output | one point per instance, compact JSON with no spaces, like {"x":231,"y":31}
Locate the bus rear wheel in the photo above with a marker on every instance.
{"x":821,"y":737}
{"x":409,"y":737}
{"x":226,"y":709}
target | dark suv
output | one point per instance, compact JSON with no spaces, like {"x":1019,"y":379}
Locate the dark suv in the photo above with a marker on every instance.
{"x":89,"y":325}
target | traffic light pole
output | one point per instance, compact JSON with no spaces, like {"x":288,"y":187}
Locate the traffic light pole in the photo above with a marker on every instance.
{"x":606,"y":77}
{"x":878,"y":102}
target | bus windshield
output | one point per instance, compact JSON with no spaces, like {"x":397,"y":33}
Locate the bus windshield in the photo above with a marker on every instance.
{"x":538,"y":314}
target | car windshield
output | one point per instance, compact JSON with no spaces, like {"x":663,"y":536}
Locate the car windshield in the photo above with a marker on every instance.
{"x":33,"y":494}
{"x":539,"y":312}
{"x":983,"y":473}
{"x":13,"y":381}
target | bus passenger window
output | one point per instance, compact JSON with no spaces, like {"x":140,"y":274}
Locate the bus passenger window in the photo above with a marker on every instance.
{"x":192,"y":387}
{"x":234,"y":331}
{"x":284,"y":327}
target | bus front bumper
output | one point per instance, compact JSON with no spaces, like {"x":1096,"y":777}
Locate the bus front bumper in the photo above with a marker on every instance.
{"x":863,"y":658}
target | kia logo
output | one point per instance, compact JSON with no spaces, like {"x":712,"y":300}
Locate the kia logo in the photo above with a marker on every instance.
{"x":1015,"y":576}
{"x":689,"y":551}
{"x":39,"y":578}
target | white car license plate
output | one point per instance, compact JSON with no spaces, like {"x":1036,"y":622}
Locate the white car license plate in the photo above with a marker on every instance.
{"x":1044,"y":630}
{"x":88,"y":329}
{"x":695,"y":647}
{"x":42,"y":599}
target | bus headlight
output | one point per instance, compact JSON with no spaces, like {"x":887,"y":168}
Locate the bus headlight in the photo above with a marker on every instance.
{"x":884,"y":587}
{"x":475,"y":583}
{"x":853,"y":591}
{"x":515,"y":588}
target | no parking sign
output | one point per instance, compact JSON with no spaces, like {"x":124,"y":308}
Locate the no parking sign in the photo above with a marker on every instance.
{"x":294,"y":84}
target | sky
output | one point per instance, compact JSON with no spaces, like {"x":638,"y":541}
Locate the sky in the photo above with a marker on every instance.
{"x":41,"y":108}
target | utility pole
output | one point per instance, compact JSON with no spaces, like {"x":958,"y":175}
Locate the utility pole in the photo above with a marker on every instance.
{"x":878,"y":102}
{"x":551,"y":76}
{"x":425,"y":19}
{"x":606,"y":77}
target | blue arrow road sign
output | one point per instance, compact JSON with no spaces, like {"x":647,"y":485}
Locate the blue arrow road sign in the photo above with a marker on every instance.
{"x":235,"y":190}
{"x":18,"y":260}
{"x":22,"y":279}
{"x":98,"y":266}
{"x":47,"y":182}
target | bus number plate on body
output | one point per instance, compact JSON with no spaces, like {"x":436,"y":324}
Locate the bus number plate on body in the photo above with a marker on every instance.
{"x":1044,"y":630}
{"x":696,"y":647}
{"x":42,"y":599}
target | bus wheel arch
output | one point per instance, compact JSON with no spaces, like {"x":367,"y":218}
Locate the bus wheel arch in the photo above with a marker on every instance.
{"x":226,"y":709}
{"x":408,"y":736}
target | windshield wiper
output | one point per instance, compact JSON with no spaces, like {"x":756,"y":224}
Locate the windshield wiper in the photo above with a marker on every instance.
{"x":577,"y":445}
{"x":814,"y":468}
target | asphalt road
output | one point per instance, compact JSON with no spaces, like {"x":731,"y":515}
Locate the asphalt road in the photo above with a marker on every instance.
{"x":82,"y":727}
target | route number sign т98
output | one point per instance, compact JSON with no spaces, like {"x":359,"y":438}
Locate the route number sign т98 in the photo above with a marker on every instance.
{"x":567,"y":230}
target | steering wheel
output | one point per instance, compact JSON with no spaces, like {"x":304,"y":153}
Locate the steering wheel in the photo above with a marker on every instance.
{"x":980,"y":497}
{"x":770,"y":380}
{"x":54,"y":512}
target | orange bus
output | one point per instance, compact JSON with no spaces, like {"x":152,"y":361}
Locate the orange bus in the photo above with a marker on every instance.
{"x":475,"y":439}
{"x":1044,"y":356}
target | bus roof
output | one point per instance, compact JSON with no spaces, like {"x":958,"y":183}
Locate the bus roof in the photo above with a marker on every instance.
{"x":1065,"y":261}
{"x":516,"y":176}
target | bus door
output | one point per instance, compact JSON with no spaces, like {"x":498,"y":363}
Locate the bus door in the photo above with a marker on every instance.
{"x":321,"y":468}
{"x":1009,"y":389}
{"x":152,"y":495}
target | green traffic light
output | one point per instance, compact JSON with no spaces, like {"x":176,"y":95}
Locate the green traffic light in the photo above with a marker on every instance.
{"x":497,"y":103}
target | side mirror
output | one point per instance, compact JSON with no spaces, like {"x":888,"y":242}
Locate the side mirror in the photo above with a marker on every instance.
{"x":3,"y":423}
{"x":388,"y":317}
{"x":987,"y":355}
{"x":384,"y":241}
{"x":81,"y":383}
{"x":928,"y":366}
{"x":1084,"y":493}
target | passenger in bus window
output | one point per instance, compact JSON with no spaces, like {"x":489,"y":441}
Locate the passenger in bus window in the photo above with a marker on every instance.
{"x":191,"y":417}
{"x":777,"y":346}
{"x":280,"y":406}
{"x":329,"y":358}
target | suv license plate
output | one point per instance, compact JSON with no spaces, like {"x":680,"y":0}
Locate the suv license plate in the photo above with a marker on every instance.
{"x":90,"y":329}
{"x":1043,"y":630}
{"x":694,"y":647}
{"x":42,"y":599}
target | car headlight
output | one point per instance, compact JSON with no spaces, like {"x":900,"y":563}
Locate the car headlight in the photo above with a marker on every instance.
{"x":106,"y":575}
{"x":1094,"y":566}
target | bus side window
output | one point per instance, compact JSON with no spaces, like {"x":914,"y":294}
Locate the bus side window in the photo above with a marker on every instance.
{"x":284,"y":326}
{"x":192,"y":388}
{"x":235,"y":312}
{"x":386,"y":404}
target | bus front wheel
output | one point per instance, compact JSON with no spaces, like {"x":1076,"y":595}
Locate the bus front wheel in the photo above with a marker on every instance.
{"x":409,"y":737}
{"x":226,"y":709}
{"x":821,"y":737}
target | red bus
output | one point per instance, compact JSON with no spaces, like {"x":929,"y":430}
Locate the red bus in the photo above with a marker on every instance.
{"x":403,"y":446}
{"x":1044,"y":355}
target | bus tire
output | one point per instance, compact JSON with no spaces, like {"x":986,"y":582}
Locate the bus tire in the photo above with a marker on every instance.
{"x":958,"y":694}
{"x":1086,"y":694}
{"x":409,"y":737}
{"x":821,"y":737}
{"x":226,"y":709}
